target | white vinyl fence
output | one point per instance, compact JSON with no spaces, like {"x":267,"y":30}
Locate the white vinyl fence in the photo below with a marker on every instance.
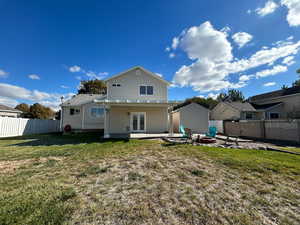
{"x":218,"y":124}
{"x":10,"y":127}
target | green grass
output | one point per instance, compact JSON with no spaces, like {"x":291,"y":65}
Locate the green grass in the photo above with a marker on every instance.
{"x":81,"y":179}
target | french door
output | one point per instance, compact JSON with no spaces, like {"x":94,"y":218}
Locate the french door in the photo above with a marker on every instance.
{"x":138,"y":122}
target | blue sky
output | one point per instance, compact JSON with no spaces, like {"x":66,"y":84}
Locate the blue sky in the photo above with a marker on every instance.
{"x":203,"y":47}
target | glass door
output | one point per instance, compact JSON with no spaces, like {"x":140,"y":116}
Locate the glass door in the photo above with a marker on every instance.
{"x":138,"y":122}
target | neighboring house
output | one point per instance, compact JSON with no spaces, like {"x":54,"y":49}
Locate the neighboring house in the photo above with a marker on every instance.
{"x":280,"y":104}
{"x":6,"y":111}
{"x":192,"y":116}
{"x":234,"y":111}
{"x":136,"y":101}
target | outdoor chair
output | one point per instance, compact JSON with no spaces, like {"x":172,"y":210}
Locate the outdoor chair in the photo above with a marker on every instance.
{"x":212,"y":132}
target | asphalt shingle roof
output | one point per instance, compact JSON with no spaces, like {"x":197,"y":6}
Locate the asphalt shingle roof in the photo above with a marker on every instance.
{"x":274,"y":94}
{"x":265,"y":106}
{"x":81,"y":99}
{"x":242,"y":106}
{"x":7,"y":108}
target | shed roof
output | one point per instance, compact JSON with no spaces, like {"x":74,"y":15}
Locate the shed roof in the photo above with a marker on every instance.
{"x":181,"y":106}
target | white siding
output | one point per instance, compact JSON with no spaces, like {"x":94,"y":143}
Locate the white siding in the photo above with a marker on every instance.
{"x":194,"y":117}
{"x":84,"y":120}
{"x":130,"y":87}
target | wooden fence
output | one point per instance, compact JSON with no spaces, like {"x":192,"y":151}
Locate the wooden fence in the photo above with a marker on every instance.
{"x":283,"y":130}
{"x":10,"y":127}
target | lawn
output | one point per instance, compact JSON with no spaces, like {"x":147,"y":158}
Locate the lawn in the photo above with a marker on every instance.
{"x":79,"y":179}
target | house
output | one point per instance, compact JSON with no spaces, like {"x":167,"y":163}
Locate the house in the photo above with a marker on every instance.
{"x":136,"y":101}
{"x":192,"y":116}
{"x":234,"y":111}
{"x":6,"y":111}
{"x":280,"y":104}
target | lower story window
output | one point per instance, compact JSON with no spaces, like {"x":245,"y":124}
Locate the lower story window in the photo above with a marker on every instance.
{"x":74,"y":111}
{"x":249,"y":116}
{"x":97,"y":112}
{"x":274,"y":115}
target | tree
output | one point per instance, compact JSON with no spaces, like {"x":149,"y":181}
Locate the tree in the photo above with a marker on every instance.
{"x":284,"y":87}
{"x":205,"y":102}
{"x":25,"y":110}
{"x":23,"y":107}
{"x":92,"y":87}
{"x":39,"y":111}
{"x":232,"y":95}
{"x":296,"y":83}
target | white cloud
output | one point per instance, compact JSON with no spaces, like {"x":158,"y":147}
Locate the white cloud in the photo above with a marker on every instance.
{"x":75,"y":69}
{"x":213,"y":96}
{"x":103,"y":73}
{"x":175,"y":43}
{"x":3,"y":74}
{"x":249,"y":11}
{"x":12,"y":94}
{"x":225,"y":30}
{"x":64,"y":86}
{"x":207,"y":43}
{"x":78,"y":77}
{"x":8,"y":101}
{"x":242,"y":38}
{"x":34,"y":77}
{"x":270,"y":72}
{"x":289,"y":60}
{"x":159,"y":74}
{"x":168,"y":49}
{"x":244,"y":78}
{"x":214,"y":61}
{"x":269,"y":8}
{"x":269,"y":84}
{"x":172,"y":55}
{"x":293,"y":16}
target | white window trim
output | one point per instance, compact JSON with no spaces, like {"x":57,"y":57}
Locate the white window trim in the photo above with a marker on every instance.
{"x":75,"y":113}
{"x":146,"y":90}
{"x":145,"y":122}
{"x":97,"y":107}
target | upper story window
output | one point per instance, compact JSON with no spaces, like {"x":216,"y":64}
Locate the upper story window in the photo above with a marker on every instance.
{"x":97,"y":112}
{"x":116,"y":85}
{"x":74,"y":111}
{"x":146,"y":90}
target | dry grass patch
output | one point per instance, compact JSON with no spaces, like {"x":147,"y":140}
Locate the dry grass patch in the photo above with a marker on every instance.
{"x":83,"y":180}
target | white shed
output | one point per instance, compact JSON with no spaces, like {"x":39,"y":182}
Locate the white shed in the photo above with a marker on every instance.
{"x":192,"y":116}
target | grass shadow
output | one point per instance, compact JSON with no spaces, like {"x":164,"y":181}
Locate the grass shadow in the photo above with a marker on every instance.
{"x":60,"y":139}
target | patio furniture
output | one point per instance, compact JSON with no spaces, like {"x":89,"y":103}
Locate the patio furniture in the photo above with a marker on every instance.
{"x":212,"y":132}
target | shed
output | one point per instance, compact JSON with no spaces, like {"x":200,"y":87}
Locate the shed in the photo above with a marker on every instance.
{"x":192,"y":116}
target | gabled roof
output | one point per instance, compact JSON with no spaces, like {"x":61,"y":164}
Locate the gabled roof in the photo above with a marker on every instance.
{"x":81,"y":99}
{"x":241,"y":106}
{"x":274,"y":94}
{"x":266,"y":106}
{"x":144,"y":70}
{"x":7,"y":108}
{"x":182,"y":105}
